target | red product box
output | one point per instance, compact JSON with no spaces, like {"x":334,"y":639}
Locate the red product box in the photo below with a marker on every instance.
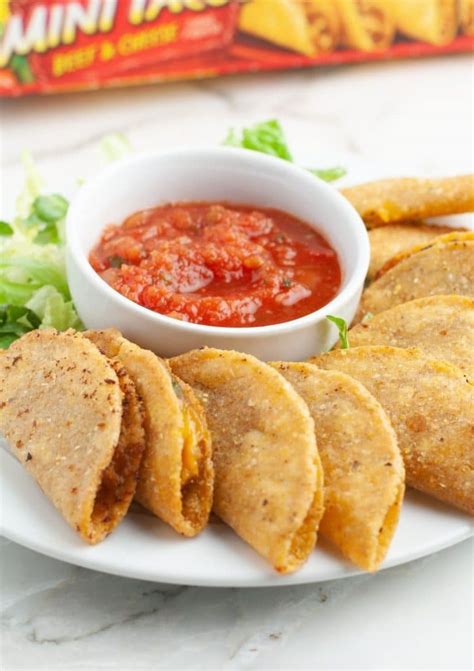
{"x":49,"y":46}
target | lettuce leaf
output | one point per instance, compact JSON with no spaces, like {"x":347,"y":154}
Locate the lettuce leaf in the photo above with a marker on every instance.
{"x":33,"y":286}
{"x":14,"y":322}
{"x":329,"y":174}
{"x":114,"y":146}
{"x":53,"y":309}
{"x":268,"y":137}
{"x":342,"y":329}
{"x":25,"y":267}
{"x":5,"y":228}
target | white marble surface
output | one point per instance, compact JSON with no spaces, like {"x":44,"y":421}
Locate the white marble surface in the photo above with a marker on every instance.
{"x":399,"y":118}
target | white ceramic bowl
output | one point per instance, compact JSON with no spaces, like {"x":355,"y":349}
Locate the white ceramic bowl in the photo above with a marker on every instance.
{"x":212,"y":174}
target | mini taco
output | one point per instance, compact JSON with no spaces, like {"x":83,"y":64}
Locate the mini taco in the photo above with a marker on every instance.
{"x":388,"y":241}
{"x":466,"y":11}
{"x":176,"y":476}
{"x":75,"y":422}
{"x":391,"y":201}
{"x":269,"y":480}
{"x":441,"y":326}
{"x":364,"y":478}
{"x":324,"y":25}
{"x":430,"y":404}
{"x":433,"y":21}
{"x":281,"y":22}
{"x":450,"y":236}
{"x":440,"y":269}
{"x":367,"y":25}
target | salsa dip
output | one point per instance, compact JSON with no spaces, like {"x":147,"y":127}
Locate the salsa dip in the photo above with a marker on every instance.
{"x":219,"y":264}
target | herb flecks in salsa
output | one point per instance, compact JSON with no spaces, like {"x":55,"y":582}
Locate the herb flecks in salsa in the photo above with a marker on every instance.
{"x":221,"y":265}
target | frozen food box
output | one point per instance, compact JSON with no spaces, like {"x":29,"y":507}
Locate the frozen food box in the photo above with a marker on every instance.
{"x":49,"y":46}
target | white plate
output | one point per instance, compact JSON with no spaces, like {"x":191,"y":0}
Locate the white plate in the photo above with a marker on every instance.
{"x":143,"y":547}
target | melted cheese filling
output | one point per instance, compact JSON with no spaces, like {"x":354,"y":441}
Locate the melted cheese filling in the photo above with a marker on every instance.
{"x":193,"y":435}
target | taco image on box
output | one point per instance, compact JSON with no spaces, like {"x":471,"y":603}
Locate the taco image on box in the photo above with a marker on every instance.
{"x":367,"y":24}
{"x":433,"y":21}
{"x":305,"y":26}
{"x":324,"y":25}
{"x":466,"y":17}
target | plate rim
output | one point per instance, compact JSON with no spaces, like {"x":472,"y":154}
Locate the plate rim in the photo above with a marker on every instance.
{"x":276,"y":580}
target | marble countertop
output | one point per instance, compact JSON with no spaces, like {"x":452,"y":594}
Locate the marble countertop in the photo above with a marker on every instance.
{"x":407,"y":117}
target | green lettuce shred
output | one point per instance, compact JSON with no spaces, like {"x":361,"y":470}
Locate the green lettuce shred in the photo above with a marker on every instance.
{"x":268,"y":137}
{"x":114,"y":146}
{"x":342,"y":329}
{"x":33,"y":287}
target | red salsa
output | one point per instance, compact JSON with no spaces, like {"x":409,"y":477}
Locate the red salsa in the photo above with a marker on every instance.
{"x":219,"y":264}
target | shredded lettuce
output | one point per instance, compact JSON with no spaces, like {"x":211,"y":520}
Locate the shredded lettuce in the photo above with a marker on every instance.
{"x":268,"y":137}
{"x":329,"y":174}
{"x":5,"y":228}
{"x":26,"y":266}
{"x":14,"y":322}
{"x":342,"y":329}
{"x":33,"y":285}
{"x":31,"y":190}
{"x":53,"y":309}
{"x":114,"y":146}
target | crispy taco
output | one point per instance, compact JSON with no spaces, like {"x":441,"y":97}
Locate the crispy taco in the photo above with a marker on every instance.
{"x":75,"y":421}
{"x":452,"y":235}
{"x":431,"y":406}
{"x":324,"y":25}
{"x":440,"y":269}
{"x":390,"y":201}
{"x":441,"y":326}
{"x":281,"y":22}
{"x":367,"y":26}
{"x":434,"y":21}
{"x":466,"y":16}
{"x":176,"y":476}
{"x":389,"y":241}
{"x":269,"y":480}
{"x":364,"y":478}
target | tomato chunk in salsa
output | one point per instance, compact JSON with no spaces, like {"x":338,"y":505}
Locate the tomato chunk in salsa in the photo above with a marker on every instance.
{"x":219,"y":264}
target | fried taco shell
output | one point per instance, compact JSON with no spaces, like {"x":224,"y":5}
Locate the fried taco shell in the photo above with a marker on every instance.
{"x":434,"y":21}
{"x":324,"y":25}
{"x":390,"y":201}
{"x":269,"y":480}
{"x":76,"y":424}
{"x":281,"y":22}
{"x":176,"y":476}
{"x":367,"y":25}
{"x":431,"y":406}
{"x":466,"y":16}
{"x":393,"y":239}
{"x":441,"y":326}
{"x":441,"y":269}
{"x":449,"y":236}
{"x":364,"y":477}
